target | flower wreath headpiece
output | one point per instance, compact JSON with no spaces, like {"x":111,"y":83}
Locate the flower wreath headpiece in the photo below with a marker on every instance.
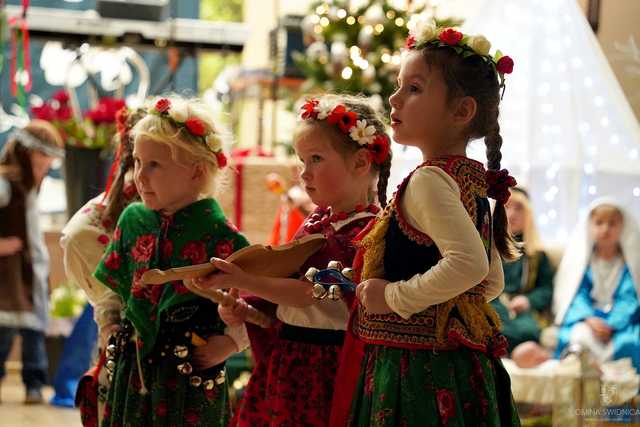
{"x":350,"y":124}
{"x":194,"y":126}
{"x":426,"y":32}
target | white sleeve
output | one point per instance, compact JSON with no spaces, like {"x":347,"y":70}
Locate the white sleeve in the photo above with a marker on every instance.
{"x":5,"y":192}
{"x":495,"y":278}
{"x":431,"y":203}
{"x":239,"y":336}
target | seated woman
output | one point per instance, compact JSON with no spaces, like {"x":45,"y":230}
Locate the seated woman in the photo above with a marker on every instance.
{"x":597,"y":290}
{"x":528,"y":281}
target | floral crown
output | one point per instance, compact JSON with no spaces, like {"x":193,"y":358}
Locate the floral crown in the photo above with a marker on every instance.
{"x":178,"y":115}
{"x":426,"y":32}
{"x":350,"y":124}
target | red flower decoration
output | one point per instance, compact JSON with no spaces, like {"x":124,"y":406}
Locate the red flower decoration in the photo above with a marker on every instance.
{"x":64,"y":113}
{"x":224,"y":248}
{"x":138,"y":289}
{"x":103,"y":239}
{"x":144,"y":248}
{"x":498,"y":184}
{"x":44,"y":112}
{"x":61,"y":96}
{"x":336,"y":114}
{"x":196,"y":126}
{"x":410,"y":43}
{"x":121,"y":121}
{"x":162,"y":105}
{"x":450,"y":37}
{"x":505,"y":65}
{"x":343,"y":118}
{"x":113,"y":261}
{"x":307,"y":110}
{"x":380,"y":148}
{"x":446,"y":405}
{"x":194,"y":251}
{"x":221,"y":159}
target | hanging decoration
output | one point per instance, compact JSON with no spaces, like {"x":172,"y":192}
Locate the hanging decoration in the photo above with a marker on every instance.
{"x":20,"y":70}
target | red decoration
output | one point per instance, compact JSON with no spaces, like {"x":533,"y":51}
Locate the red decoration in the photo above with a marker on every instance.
{"x":505,"y":65}
{"x":308,"y":109}
{"x":222,"y":159}
{"x":163,"y":105}
{"x":498,"y":184}
{"x":380,"y":148}
{"x":144,"y":248}
{"x":410,"y":43}
{"x":450,"y":36}
{"x":196,"y":126}
{"x":322,"y":218}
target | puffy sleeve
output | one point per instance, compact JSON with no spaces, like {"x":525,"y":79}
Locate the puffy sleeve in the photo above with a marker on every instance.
{"x":84,"y":245}
{"x":432,"y":204}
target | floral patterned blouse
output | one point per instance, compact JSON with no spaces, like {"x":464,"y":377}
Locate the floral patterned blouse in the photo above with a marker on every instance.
{"x":145,"y":239}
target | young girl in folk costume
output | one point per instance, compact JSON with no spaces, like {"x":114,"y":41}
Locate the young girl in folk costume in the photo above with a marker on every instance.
{"x":344,"y":150}
{"x":597,"y":288}
{"x":167,"y":359}
{"x":432,"y":261}
{"x":24,"y":267}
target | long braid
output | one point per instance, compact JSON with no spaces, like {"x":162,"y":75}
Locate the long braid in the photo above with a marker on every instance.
{"x":503,"y":240}
{"x":383,"y":180}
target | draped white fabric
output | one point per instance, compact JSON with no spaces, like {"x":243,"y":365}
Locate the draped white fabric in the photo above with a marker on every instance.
{"x":569,"y":133}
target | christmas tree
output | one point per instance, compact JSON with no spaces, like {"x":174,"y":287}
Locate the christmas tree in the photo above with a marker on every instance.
{"x":354,"y":46}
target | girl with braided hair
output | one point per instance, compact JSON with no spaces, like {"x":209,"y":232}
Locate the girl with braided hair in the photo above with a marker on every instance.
{"x":344,"y":149}
{"x":426,"y":343}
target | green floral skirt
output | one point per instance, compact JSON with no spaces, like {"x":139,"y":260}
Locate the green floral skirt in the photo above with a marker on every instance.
{"x":399,"y":387}
{"x":170,"y":401}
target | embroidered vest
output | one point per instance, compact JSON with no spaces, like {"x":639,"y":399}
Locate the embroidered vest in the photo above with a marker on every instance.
{"x":395,"y":250}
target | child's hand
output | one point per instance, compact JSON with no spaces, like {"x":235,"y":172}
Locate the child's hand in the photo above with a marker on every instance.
{"x":217,"y":349}
{"x":371,"y":295}
{"x":600,"y":329}
{"x":106,"y":332}
{"x":520,"y":304}
{"x":228,"y":276}
{"x":236,"y":314}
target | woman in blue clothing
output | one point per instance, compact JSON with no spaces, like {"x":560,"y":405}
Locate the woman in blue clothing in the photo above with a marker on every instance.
{"x":597,"y":290}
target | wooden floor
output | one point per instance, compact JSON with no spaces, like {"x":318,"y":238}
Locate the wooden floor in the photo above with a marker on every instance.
{"x":14,"y":413}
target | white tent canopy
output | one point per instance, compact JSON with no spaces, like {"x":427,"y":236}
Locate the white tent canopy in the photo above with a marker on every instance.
{"x":569,"y":132}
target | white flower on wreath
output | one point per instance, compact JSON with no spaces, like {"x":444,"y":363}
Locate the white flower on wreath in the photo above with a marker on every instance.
{"x":479,"y":44}
{"x":425,"y":30}
{"x":362,"y":133}
{"x":323,"y":109}
{"x":214,"y":143}
{"x":179,"y":111}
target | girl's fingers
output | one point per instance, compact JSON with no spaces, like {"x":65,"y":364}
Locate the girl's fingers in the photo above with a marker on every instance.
{"x":234,"y":292}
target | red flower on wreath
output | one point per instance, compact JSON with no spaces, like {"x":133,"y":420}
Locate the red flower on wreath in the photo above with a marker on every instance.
{"x":307,"y":110}
{"x":446,"y":405}
{"x":194,"y":251}
{"x":196,"y":126}
{"x":163,"y":105}
{"x":144,"y":247}
{"x":380,"y":148}
{"x":224,"y":248}
{"x":113,"y":261}
{"x":450,"y":37}
{"x":343,"y":118}
{"x":410,"y":43}
{"x":505,"y":65}
{"x":103,"y":239}
{"x":221,"y":159}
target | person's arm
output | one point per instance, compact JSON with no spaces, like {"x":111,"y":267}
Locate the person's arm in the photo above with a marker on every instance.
{"x":432,"y":204}
{"x":625,"y":304}
{"x":541,"y":295}
{"x":495,"y":278}
{"x":291,"y":292}
{"x":239,"y":336}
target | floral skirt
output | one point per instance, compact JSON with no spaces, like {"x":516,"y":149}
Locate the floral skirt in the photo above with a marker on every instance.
{"x":293,"y":387}
{"x":170,"y":401}
{"x":399,"y":387}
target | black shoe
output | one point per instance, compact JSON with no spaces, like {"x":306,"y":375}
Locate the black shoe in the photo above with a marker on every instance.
{"x":34,"y":397}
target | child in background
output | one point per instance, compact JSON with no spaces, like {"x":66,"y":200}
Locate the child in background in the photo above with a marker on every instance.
{"x":167,"y":363}
{"x":432,"y":261}
{"x":597,"y":290}
{"x":24,"y":267}
{"x":344,"y":150}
